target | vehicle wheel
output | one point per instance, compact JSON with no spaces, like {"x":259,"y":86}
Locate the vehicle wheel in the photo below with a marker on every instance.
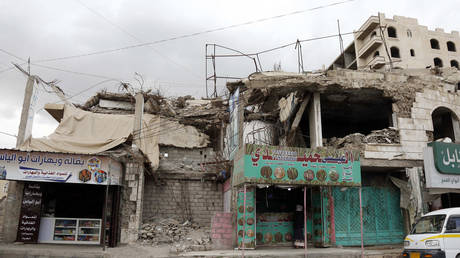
{"x":458,"y":256}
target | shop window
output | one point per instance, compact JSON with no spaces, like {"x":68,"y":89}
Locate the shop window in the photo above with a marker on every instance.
{"x":377,"y":53}
{"x":434,"y":43}
{"x":444,"y":122}
{"x":454,"y":63}
{"x":394,"y":52}
{"x":451,"y":46}
{"x":391,"y":32}
{"x":437,"y":62}
{"x":409,"y":33}
{"x":412,"y":52}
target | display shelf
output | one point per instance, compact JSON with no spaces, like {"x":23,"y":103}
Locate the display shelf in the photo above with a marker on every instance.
{"x":70,"y":231}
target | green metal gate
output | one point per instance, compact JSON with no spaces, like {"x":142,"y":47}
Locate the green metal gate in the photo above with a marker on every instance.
{"x":382,"y":219}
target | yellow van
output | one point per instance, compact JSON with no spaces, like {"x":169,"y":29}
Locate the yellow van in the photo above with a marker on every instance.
{"x":436,"y":234}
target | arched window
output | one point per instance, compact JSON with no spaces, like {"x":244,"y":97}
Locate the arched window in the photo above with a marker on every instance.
{"x":434,"y":43}
{"x":377,"y":53}
{"x":454,"y":63}
{"x":391,"y":32}
{"x":394,"y":52}
{"x":409,"y":33}
{"x":451,"y":46}
{"x":437,"y":62}
{"x":412,"y":52}
{"x":444,"y":122}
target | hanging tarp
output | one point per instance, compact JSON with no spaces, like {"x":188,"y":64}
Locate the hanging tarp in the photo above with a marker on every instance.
{"x":265,"y":164}
{"x":89,"y":133}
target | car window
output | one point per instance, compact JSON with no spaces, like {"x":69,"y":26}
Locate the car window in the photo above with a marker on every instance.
{"x":453,"y":224}
{"x":429,"y":224}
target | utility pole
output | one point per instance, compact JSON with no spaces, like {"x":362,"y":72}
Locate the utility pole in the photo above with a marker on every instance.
{"x":27,"y":114}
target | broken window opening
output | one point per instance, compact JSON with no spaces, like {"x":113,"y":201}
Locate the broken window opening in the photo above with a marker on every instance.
{"x":345,"y":112}
{"x":373,"y":34}
{"x":437,"y":62}
{"x":451,"y":46}
{"x":434,"y":43}
{"x":377,"y":53}
{"x":412,"y":52}
{"x":445,"y":124}
{"x":394,"y":52}
{"x":391,"y":32}
{"x":454,"y":63}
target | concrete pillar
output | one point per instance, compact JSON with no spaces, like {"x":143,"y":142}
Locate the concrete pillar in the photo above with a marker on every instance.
{"x":314,"y":116}
{"x":27,"y":114}
{"x":456,"y":128}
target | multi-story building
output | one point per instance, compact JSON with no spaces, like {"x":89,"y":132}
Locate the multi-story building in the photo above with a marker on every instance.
{"x":399,"y":43}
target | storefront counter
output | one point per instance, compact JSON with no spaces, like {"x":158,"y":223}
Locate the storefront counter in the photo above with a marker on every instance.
{"x":69,"y":231}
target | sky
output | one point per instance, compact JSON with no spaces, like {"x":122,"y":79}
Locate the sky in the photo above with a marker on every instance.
{"x":48,"y":29}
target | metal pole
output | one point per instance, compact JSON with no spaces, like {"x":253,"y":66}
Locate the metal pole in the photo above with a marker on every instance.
{"x":244,"y":221}
{"x":361,"y":218}
{"x":305,"y":219}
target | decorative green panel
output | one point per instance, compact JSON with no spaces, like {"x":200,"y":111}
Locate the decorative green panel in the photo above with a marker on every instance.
{"x":297,"y":166}
{"x":382,"y":219}
{"x":246,"y":224}
{"x":446,"y":157}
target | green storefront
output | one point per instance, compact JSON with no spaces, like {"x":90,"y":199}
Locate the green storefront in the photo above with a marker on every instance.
{"x":276,"y":180}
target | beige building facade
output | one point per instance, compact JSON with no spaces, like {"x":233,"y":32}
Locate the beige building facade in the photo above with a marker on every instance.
{"x":399,"y":43}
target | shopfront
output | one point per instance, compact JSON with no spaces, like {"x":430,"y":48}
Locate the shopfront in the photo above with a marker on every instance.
{"x":67,"y":198}
{"x":278,"y":188}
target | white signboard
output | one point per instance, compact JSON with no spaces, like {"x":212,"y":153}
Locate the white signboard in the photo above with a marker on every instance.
{"x":62,"y":168}
{"x":434,"y":179}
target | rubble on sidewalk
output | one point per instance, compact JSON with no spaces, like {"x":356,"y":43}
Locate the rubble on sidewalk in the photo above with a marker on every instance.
{"x":181,"y":237}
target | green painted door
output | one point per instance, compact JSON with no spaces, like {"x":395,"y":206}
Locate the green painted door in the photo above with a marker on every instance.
{"x":382,"y":219}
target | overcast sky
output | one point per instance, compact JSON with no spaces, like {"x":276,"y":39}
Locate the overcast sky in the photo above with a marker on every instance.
{"x":46,"y":29}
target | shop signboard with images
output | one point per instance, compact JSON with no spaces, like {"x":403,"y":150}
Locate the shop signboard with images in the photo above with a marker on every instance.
{"x":56,"y":167}
{"x":29,"y":218}
{"x":264,"y":164}
{"x":434,"y":177}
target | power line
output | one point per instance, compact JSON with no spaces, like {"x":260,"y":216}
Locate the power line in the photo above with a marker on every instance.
{"x":134,"y":37}
{"x":12,"y":135}
{"x":192,"y":34}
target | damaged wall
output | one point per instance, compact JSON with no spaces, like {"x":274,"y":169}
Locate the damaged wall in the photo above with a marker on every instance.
{"x":185,"y":186}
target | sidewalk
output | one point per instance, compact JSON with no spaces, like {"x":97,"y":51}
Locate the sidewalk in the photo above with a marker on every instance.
{"x":370,"y":252}
{"x":139,"y":251}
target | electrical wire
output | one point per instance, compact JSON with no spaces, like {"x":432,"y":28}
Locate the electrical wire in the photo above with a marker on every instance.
{"x":190,"y":34}
{"x":136,"y":38}
{"x":5,"y":133}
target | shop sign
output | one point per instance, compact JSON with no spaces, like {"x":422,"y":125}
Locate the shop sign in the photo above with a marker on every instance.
{"x":62,"y":168}
{"x":434,"y":178}
{"x":246,"y":218}
{"x":446,"y":157}
{"x":29,"y":219}
{"x":233,"y":128}
{"x":296,"y":166}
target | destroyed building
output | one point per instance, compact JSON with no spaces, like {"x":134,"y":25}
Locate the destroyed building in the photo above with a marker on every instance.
{"x":382,"y":43}
{"x":318,"y":139}
{"x":159,"y":158}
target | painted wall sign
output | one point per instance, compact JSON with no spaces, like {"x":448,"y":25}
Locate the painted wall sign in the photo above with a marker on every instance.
{"x":54,"y":167}
{"x":246,"y":225}
{"x":446,"y":157}
{"x":29,"y":219}
{"x":296,"y":166}
{"x":435,"y":179}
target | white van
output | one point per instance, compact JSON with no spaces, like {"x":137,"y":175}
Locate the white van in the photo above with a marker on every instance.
{"x":436,"y":234}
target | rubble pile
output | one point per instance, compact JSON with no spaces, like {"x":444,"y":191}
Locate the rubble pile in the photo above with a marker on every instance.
{"x":357,"y":140}
{"x":181,"y":237}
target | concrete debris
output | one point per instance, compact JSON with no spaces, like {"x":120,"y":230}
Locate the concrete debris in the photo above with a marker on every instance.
{"x":180,"y":236}
{"x":357,"y":140}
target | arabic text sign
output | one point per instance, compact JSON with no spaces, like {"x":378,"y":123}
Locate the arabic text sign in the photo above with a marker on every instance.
{"x":435,"y":179}
{"x":54,"y":167}
{"x":289,"y":165}
{"x":446,"y":157}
